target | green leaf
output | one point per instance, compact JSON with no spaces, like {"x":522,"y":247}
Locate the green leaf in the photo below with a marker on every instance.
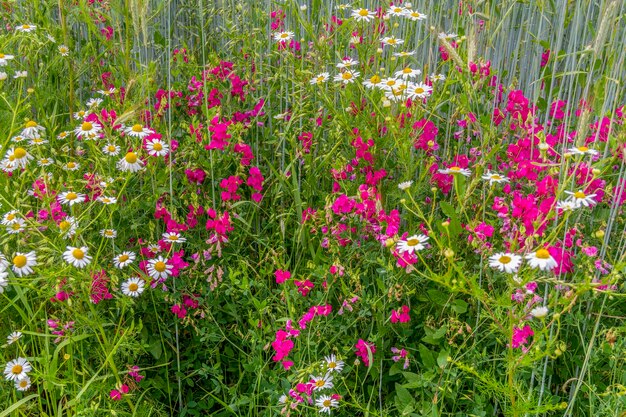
{"x":459,"y":306}
{"x":404,"y":400}
{"x":427,"y":356}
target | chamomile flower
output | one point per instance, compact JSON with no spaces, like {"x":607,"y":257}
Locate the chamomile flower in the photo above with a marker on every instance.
{"x":22,"y":384}
{"x":108,"y":233}
{"x":32,"y":129}
{"x":363,"y":15}
{"x":18,"y":156}
{"x":22,"y":263}
{"x":322,"y":382}
{"x":64,"y":50}
{"x":13,"y":337}
{"x":403,"y":54}
{"x":283,"y":36}
{"x":447,"y":36}
{"x":566,"y":205}
{"x":37,"y":141}
{"x":494,"y":178}
{"x":539,"y":312}
{"x":107,"y":93}
{"x":405,"y":185}
{"x":156,"y":147}
{"x":71,"y":166}
{"x":18,"y":226}
{"x":68,"y":226}
{"x":390,"y":83}
{"x":63,"y":135}
{"x":505,"y":262}
{"x":319,"y":78}
{"x":71,"y":198}
{"x":579,"y":198}
{"x":347,"y":63}
{"x":77,"y":257}
{"x":94,"y":102}
{"x":3,"y":75}
{"x":138,"y":131}
{"x":407,"y":72}
{"x":10,"y":217}
{"x":455,"y":170}
{"x":17,"y":369}
{"x":418,"y":90}
{"x":396,"y":94}
{"x":173,"y":237}
{"x":437,"y":77}
{"x":25,"y":28}
{"x":414,"y":15}
{"x":412,"y":244}
{"x":332,"y":364}
{"x":124,"y":259}
{"x":396,"y":11}
{"x":158,"y":268}
{"x":541,"y":259}
{"x":326,"y":403}
{"x":582,"y":150}
{"x":80,"y":115}
{"x":391,"y":41}
{"x":107,"y":200}
{"x":18,"y":139}
{"x":3,"y":281}
{"x":20,"y":74}
{"x":373,"y":82}
{"x":5,"y":58}
{"x":347,"y":76}
{"x":111,"y":149}
{"x":130,"y":163}
{"x":133,"y":287}
{"x":88,"y":130}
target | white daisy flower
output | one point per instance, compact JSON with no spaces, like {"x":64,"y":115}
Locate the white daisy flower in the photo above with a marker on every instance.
{"x":124,"y":259}
{"x":71,"y":198}
{"x":347,"y":63}
{"x":156,"y":147}
{"x":332,"y":364}
{"x":138,"y":131}
{"x":18,"y":226}
{"x":447,"y":36}
{"x":403,"y":54}
{"x":37,"y":141}
{"x":18,"y":139}
{"x":437,"y":77}
{"x":396,"y":11}
{"x":363,"y":15}
{"x":582,"y":150}
{"x":455,"y":170}
{"x":407,"y":72}
{"x":77,"y":257}
{"x":173,"y":237}
{"x":418,"y":90}
{"x":566,"y":205}
{"x":19,"y":157}
{"x":20,"y":74}
{"x":283,"y":36}
{"x":158,"y":268}
{"x":405,"y":185}
{"x":111,"y":149}
{"x":414,"y":15}
{"x":23,"y":263}
{"x":80,"y":115}
{"x":373,"y":82}
{"x":319,"y":78}
{"x":22,"y":384}
{"x":107,"y":200}
{"x":32,"y":130}
{"x":130,"y":162}
{"x":412,"y":244}
{"x":322,"y":382}
{"x":133,"y":287}
{"x":326,"y":403}
{"x":541,"y":259}
{"x":5,"y":58}
{"x":347,"y":76}
{"x":539,"y":312}
{"x":391,"y":41}
{"x":17,"y":369}
{"x":494,"y":178}
{"x":94,"y":102}
{"x":13,"y":337}
{"x":63,"y":135}
{"x":64,"y":50}
{"x":68,"y":226}
{"x":3,"y":75}
{"x":71,"y":166}
{"x":88,"y":130}
{"x":3,"y":281}
{"x":579,"y":198}
{"x":108,"y":233}
{"x":10,"y":217}
{"x":108,"y":92}
{"x":25,"y":28}
{"x":505,"y":262}
{"x":390,"y":83}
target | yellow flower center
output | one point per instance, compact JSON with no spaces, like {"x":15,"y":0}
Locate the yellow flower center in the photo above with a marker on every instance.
{"x":30,"y":124}
{"x":364,"y":12}
{"x":332,"y":365}
{"x":137,"y":128}
{"x":412,"y":242}
{"x":20,"y":153}
{"x":391,"y":83}
{"x":16,"y":226}
{"x":346,"y":76}
{"x":157,"y":146}
{"x":284,"y":35}
{"x":496,"y":177}
{"x":20,"y":261}
{"x":17,"y":369}
{"x":86,"y":127}
{"x":542,"y":254}
{"x":505,"y":259}
{"x":326,"y":403}
{"x":2,"y":56}
{"x":397,"y":10}
{"x":64,"y":225}
{"x":78,"y":254}
{"x":123,"y":258}
{"x":407,"y":70}
{"x":131,"y":157}
{"x":320,"y":78}
{"x":391,"y":41}
{"x":419,"y":90}
{"x":71,"y":196}
{"x":25,"y":27}
{"x":10,"y":216}
{"x":159,"y":266}
{"x":320,"y":383}
{"x":23,"y":383}
{"x":583,"y":148}
{"x":109,"y":233}
{"x":62,"y":134}
{"x":71,"y":165}
{"x":111,"y":148}
{"x":454,"y":169}
{"x":173,"y":237}
{"x":580,"y":194}
{"x":133,"y":287}
{"x":375,"y":79}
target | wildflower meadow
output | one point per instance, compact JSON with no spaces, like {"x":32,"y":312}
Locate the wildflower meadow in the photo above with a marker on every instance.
{"x":313,"y":207}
